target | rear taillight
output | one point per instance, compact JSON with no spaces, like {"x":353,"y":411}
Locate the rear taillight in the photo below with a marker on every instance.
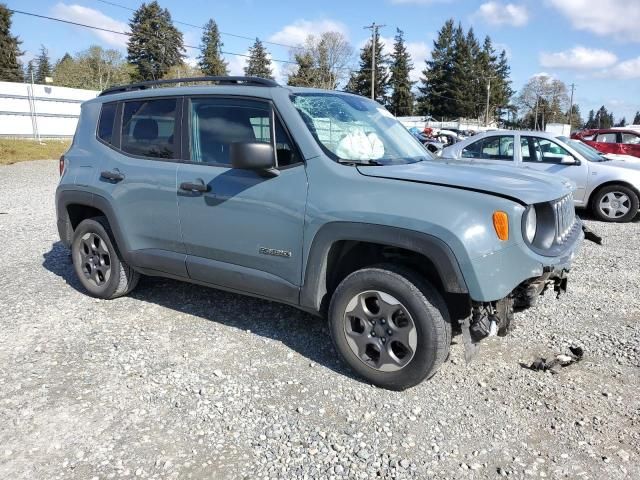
{"x":61,"y":165}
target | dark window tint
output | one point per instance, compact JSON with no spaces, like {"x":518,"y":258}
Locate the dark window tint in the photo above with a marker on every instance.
{"x":148,"y":128}
{"x":542,"y":150}
{"x":491,"y":148}
{"x":105,"y":124}
{"x":217,"y":123}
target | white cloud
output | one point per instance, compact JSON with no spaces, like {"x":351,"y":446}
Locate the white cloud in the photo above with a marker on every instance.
{"x":542,"y":74}
{"x":496,"y":13}
{"x":578,"y":58}
{"x":89,"y":16}
{"x":616,"y":18}
{"x":627,"y":69}
{"x":296,"y":33}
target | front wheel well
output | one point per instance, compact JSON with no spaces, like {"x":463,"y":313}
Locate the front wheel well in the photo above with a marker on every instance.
{"x":347,"y":256}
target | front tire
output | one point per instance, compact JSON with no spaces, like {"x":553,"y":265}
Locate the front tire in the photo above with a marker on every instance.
{"x":390,"y":325}
{"x":615,"y":203}
{"x":97,"y":263}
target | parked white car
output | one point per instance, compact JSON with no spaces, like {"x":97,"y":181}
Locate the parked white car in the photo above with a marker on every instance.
{"x":610,"y":188}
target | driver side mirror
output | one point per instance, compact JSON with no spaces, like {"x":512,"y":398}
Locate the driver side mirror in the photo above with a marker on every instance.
{"x":568,"y":160}
{"x":257,"y":156}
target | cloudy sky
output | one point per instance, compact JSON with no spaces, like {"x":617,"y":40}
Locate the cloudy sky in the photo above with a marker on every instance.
{"x":592,"y":44}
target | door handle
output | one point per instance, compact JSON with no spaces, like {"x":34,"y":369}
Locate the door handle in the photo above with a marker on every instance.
{"x":113,"y":176}
{"x":199,"y":187}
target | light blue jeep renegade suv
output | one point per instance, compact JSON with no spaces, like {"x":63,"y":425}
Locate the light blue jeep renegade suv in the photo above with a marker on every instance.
{"x":317,"y":199}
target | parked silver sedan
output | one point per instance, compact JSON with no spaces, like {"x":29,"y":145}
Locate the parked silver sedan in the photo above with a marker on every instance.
{"x":610,"y":188}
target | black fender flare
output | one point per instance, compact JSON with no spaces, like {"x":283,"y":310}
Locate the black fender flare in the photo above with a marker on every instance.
{"x":65,"y":197}
{"x":437,"y":251}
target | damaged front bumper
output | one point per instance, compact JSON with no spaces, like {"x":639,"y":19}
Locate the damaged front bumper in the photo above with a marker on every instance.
{"x":490,"y":318}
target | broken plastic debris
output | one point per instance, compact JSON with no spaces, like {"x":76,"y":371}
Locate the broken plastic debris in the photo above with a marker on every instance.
{"x":561,"y":360}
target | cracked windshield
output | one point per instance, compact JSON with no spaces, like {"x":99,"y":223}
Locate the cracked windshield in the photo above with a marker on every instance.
{"x":356,"y":130}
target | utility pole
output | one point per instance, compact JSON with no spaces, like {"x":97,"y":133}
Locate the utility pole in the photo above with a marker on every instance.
{"x":573,"y":86}
{"x":374,"y":35}
{"x":486,"y":113}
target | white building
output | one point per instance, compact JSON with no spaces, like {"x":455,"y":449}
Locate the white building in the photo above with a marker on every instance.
{"x":45,"y":110}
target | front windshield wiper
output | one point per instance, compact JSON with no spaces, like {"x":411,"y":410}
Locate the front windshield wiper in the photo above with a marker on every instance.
{"x":369,"y":161}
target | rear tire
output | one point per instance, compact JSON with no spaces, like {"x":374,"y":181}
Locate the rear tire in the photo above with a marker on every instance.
{"x":615,"y":203}
{"x":97,"y":262}
{"x":390,"y":325}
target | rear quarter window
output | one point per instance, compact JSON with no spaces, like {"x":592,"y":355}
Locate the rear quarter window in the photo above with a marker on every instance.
{"x":105,"y":123}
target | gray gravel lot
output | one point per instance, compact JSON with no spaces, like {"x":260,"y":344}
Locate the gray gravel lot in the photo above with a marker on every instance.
{"x":180,"y":381}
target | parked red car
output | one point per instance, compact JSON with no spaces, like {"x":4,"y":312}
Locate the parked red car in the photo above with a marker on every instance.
{"x":618,"y":141}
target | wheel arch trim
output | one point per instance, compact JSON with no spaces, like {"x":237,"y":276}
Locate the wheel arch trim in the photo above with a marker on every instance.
{"x":314,"y":285}
{"x":65,"y":198}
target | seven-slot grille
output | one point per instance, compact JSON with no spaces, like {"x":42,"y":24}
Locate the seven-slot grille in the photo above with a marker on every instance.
{"x":565,"y":217}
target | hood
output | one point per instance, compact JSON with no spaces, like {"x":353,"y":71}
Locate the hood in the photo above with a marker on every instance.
{"x":526,"y":187}
{"x":627,"y":165}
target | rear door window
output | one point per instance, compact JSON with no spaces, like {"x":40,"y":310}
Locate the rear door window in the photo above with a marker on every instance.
{"x":148,"y":128}
{"x":607,"y":138}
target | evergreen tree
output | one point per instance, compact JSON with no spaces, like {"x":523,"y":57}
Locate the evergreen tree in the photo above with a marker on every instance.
{"x":305,"y":74}
{"x":435,"y":83}
{"x":501,"y":91}
{"x":401,"y":98}
{"x":30,"y":71}
{"x":575,"y":119}
{"x":600,"y":119}
{"x":210,"y":59}
{"x":360,"y":81}
{"x":465,"y":77}
{"x":10,"y":68}
{"x":622,"y":122}
{"x":155,"y":45}
{"x":43,"y":69}
{"x":65,"y":58}
{"x":636,"y":118}
{"x":259,"y":64}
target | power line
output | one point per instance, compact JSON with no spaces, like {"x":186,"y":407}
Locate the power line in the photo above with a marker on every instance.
{"x":128,"y":34}
{"x":113,"y":4}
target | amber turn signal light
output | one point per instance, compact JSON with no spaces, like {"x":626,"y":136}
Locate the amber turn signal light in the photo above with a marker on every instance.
{"x":501,"y":225}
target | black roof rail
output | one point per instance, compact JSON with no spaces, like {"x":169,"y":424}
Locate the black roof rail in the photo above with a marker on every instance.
{"x":222,"y":80}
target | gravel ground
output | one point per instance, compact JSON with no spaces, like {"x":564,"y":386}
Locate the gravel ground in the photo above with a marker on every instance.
{"x":180,"y":381}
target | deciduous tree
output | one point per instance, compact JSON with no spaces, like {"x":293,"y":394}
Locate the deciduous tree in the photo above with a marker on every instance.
{"x":93,"y":69}
{"x":322,"y":61}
